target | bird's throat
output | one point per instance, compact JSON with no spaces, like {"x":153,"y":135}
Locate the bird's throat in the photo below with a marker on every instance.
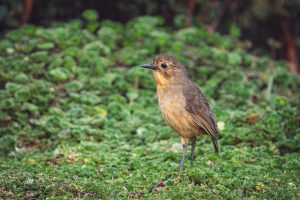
{"x":161,"y":79}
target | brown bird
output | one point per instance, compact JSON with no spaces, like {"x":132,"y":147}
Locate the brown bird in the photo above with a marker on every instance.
{"x":183,"y":106}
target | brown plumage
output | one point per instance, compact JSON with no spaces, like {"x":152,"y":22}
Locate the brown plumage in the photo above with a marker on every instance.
{"x":183,"y":106}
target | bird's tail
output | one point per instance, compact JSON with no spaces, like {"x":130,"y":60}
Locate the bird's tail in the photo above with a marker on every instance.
{"x":215,"y":143}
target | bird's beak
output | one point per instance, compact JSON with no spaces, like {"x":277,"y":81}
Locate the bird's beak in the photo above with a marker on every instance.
{"x":149,"y":66}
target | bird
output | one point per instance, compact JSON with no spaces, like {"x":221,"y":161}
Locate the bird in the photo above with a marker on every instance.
{"x":183,"y":106}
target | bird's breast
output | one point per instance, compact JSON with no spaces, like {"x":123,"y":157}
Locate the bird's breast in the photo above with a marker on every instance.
{"x":172,"y":105}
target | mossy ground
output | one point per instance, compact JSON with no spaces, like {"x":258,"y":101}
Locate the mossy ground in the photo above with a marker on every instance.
{"x":79,"y":118}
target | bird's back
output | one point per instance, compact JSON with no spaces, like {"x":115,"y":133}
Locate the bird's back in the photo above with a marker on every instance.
{"x":198,"y":107}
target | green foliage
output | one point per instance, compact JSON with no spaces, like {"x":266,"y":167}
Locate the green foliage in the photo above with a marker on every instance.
{"x":79,"y":118}
{"x":90,"y":15}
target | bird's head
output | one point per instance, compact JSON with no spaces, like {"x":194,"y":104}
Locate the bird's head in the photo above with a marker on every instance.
{"x":167,"y":70}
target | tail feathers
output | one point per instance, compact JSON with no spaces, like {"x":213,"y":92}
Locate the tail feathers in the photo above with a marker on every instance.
{"x":215,"y":143}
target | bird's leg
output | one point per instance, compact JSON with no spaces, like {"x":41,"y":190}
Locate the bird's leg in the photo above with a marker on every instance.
{"x":184,"y":148}
{"x":192,"y":152}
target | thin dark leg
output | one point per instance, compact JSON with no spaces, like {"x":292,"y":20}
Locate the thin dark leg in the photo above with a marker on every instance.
{"x":192,"y":152}
{"x":184,"y":148}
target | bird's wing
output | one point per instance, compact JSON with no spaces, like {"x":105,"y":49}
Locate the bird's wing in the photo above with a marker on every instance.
{"x":198,"y":107}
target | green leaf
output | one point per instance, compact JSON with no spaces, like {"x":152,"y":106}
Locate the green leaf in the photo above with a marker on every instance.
{"x":234,"y":31}
{"x":12,"y":87}
{"x":234,"y":58}
{"x":23,"y":94}
{"x":132,"y":95}
{"x":8,"y":103}
{"x":281,"y":102}
{"x":59,"y":74}
{"x":97,"y":47}
{"x":46,"y":46}
{"x":74,"y":86}
{"x":21,"y":78}
{"x":90,"y":15}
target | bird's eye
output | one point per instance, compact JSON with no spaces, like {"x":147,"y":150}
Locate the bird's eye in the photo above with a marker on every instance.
{"x":163,"y":65}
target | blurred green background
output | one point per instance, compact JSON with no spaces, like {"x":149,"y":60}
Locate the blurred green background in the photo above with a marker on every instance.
{"x":270,"y":26}
{"x":79,"y":118}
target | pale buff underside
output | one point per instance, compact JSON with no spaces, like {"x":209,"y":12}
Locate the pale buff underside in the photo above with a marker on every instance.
{"x":172,"y":105}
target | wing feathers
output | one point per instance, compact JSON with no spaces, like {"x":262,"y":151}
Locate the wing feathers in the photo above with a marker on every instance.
{"x":198,"y":107}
